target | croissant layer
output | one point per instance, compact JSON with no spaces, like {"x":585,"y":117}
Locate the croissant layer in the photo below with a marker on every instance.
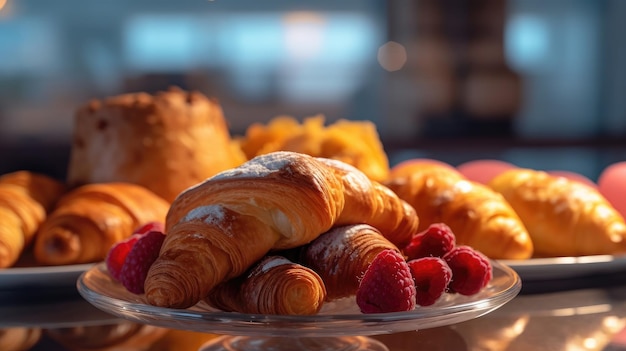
{"x":25,"y":200}
{"x":563,"y":217}
{"x":341,"y":256}
{"x":88,"y":220}
{"x":478,"y":216}
{"x":275,"y":285}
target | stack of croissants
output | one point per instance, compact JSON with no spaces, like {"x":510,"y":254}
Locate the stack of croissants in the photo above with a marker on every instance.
{"x":302,"y":207}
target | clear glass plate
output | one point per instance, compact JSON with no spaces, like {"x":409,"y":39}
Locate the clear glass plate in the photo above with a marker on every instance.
{"x":338,"y":318}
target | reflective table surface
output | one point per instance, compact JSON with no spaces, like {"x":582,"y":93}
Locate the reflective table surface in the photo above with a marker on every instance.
{"x":588,"y":313}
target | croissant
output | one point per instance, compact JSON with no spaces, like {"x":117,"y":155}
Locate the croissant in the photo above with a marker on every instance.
{"x":25,"y":200}
{"x":478,"y":216}
{"x":89,"y":219}
{"x":219,"y":228}
{"x":341,"y":256}
{"x":275,"y":285}
{"x":563,"y":217}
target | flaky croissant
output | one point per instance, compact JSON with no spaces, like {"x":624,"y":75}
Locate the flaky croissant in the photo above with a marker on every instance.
{"x":25,"y":200}
{"x":563,"y":217}
{"x":275,"y":285}
{"x":89,"y":219}
{"x":478,"y":216}
{"x":219,"y":228}
{"x":341,"y":256}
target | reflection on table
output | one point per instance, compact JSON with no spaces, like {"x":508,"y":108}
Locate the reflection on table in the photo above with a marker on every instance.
{"x":579,"y":319}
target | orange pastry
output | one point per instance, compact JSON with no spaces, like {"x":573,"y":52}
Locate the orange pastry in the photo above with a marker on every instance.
{"x":354,"y":142}
{"x":341,"y":256}
{"x":275,"y":285}
{"x":219,"y":228}
{"x":563,"y":217}
{"x":165,"y":142}
{"x":25,"y":200}
{"x":88,"y":220}
{"x":479,"y":216}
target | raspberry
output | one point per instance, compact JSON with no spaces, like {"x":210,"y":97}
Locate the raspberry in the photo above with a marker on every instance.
{"x":387,"y":285}
{"x":117,"y":255}
{"x":471,"y":270}
{"x":436,"y":240}
{"x":432,"y":276}
{"x":139,"y":260}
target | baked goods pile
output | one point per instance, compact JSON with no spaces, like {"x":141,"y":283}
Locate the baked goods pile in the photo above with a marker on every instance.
{"x":284,"y":218}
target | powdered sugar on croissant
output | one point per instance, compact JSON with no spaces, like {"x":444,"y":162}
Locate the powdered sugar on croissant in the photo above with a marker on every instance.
{"x":219,"y":228}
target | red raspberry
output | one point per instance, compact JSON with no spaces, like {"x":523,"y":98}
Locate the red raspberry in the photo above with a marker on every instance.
{"x":432,"y":276}
{"x":139,"y":260}
{"x":471,"y":270}
{"x":436,"y":240}
{"x":387,"y":285}
{"x":117,"y":253}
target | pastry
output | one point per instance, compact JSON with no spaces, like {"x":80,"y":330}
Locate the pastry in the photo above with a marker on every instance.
{"x":354,"y":142}
{"x":165,"y":142}
{"x":216,"y":230}
{"x":372,"y":203}
{"x":88,"y":220}
{"x":25,"y":200}
{"x":478,"y":216}
{"x":341,"y":256}
{"x":275,"y":285}
{"x":563,"y":217}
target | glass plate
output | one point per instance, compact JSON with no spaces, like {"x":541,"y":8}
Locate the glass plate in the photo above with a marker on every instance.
{"x":338,"y":318}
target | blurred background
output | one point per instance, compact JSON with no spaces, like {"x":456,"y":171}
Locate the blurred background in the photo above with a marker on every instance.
{"x":537,"y":83}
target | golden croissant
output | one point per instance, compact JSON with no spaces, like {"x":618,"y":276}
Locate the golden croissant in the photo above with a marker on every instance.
{"x":89,"y":219}
{"x":341,"y":256}
{"x":219,"y":228}
{"x":478,"y":216}
{"x":25,"y":200}
{"x":563,"y":217}
{"x":275,"y":285}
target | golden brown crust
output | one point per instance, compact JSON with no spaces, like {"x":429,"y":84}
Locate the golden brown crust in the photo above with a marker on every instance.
{"x":477,"y":215}
{"x":88,"y":220}
{"x":368,"y":201}
{"x":25,"y":200}
{"x":563,"y":217}
{"x":219,"y":228}
{"x":341,"y":256}
{"x":165,"y":142}
{"x":274,"y":285}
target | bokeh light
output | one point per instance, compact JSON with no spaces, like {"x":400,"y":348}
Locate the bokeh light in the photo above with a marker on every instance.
{"x":392,"y":56}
